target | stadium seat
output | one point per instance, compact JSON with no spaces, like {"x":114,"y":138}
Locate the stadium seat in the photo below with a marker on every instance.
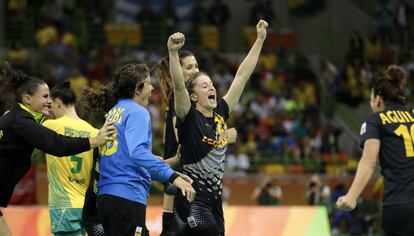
{"x":273,"y":169}
{"x":210,"y":37}
{"x":296,"y":169}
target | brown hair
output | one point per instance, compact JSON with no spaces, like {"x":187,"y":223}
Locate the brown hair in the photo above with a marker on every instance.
{"x":126,"y":80}
{"x":389,"y":86}
{"x":190,"y":83}
{"x":64,"y":93}
{"x":162,"y":71}
{"x":18,"y":81}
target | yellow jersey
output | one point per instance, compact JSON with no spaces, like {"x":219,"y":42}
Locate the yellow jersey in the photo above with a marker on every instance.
{"x":69,"y":176}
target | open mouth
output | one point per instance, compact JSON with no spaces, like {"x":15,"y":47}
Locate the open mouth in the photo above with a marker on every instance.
{"x":212,"y":97}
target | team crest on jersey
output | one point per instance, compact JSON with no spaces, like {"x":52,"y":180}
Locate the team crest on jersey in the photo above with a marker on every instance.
{"x":138,"y":231}
{"x":363,"y":128}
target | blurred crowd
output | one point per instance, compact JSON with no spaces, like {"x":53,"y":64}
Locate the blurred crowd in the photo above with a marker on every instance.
{"x":370,"y":52}
{"x":280,"y":122}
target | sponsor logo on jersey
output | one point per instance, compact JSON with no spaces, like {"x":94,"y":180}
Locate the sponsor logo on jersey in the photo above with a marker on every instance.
{"x":363,"y":128}
{"x":138,"y":231}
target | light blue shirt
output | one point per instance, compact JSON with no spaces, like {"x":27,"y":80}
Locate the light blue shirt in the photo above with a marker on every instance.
{"x":127,"y":165}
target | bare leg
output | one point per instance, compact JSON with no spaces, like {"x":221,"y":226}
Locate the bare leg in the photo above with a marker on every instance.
{"x":4,"y":228}
{"x":168,"y":203}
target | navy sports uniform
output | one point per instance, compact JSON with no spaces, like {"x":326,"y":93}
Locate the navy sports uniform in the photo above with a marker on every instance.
{"x":170,"y":150}
{"x":90,"y":216}
{"x":202,"y":154}
{"x":171,"y":144}
{"x":394,"y":127}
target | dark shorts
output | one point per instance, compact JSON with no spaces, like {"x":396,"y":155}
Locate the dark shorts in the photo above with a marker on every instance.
{"x":90,"y":214}
{"x":120,"y":216}
{"x":203,"y":217}
{"x":397,"y":220}
{"x":95,"y":230}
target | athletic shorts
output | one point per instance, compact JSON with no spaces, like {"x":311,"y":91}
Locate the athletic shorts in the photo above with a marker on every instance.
{"x":65,"y":220}
{"x":80,"y":232}
{"x":95,"y":230}
{"x":202,"y":217}
{"x":122,"y":217}
{"x":397,"y":220}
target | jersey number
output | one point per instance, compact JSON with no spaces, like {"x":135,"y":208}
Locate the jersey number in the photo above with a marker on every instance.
{"x":109,"y":148}
{"x":78,"y":163}
{"x":408,"y":136}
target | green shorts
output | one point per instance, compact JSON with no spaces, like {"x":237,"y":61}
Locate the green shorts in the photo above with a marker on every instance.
{"x":66,"y":220}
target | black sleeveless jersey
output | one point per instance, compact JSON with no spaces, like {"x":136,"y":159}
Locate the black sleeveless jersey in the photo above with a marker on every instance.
{"x":394,"y":127}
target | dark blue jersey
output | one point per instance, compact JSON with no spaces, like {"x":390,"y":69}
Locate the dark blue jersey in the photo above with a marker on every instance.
{"x":394,"y":127}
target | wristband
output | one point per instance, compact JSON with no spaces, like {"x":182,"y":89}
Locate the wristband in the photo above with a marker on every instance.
{"x":173,"y":177}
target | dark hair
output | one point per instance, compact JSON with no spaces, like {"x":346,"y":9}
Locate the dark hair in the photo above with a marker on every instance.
{"x":18,"y":81}
{"x":64,"y":93}
{"x":126,"y":80}
{"x":162,"y":70}
{"x":189,"y":84}
{"x":390,"y":85}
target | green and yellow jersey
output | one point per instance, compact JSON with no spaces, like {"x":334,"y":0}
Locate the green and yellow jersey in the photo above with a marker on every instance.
{"x":69,"y":176}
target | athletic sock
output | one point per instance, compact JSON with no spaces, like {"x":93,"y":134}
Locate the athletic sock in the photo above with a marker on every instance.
{"x":167,"y":223}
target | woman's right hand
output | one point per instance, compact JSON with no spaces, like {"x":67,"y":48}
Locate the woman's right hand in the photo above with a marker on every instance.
{"x":185,"y":187}
{"x":107,"y":133}
{"x":346,"y":203}
{"x":176,"y":41}
{"x":231,"y":135}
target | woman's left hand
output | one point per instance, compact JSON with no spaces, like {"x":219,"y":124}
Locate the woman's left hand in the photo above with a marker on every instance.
{"x":261,"y":29}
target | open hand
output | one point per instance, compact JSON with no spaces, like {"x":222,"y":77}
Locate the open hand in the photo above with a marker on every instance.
{"x":185,"y":177}
{"x":107,"y":133}
{"x":186,"y":189}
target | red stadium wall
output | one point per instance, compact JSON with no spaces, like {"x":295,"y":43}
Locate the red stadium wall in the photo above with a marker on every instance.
{"x":293,"y":186}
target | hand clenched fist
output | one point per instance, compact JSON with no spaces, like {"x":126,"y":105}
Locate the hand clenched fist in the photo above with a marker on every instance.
{"x":176,"y":41}
{"x":261,"y":29}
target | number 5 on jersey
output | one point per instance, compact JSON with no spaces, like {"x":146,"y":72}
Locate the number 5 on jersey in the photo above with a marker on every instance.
{"x":408,"y":136}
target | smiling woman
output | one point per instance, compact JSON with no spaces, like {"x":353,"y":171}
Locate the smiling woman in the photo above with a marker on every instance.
{"x":203,"y":135}
{"x":22,"y":132}
{"x":127,"y":166}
